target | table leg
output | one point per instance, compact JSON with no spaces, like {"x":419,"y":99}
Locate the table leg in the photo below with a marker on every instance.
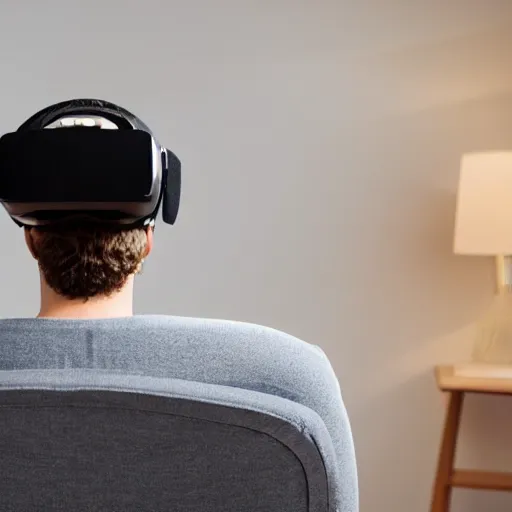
{"x":442,"y":489}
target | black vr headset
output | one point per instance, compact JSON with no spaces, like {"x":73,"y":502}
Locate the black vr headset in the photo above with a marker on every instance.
{"x":108,"y":168}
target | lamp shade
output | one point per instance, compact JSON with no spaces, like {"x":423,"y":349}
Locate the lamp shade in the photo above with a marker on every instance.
{"x":483,"y":219}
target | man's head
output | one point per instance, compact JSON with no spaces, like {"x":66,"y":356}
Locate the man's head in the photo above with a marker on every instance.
{"x":87,"y":160}
{"x":88,"y":262}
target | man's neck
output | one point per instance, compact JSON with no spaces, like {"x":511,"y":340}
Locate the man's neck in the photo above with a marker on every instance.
{"x":54,"y":305}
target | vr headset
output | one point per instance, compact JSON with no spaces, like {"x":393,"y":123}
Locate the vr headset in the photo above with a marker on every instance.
{"x":87,"y":160}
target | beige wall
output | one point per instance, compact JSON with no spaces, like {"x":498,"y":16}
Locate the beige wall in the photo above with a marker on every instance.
{"x":320,"y":143}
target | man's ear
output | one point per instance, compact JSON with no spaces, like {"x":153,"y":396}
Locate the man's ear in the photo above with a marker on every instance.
{"x":30,"y":242}
{"x":149,"y":243}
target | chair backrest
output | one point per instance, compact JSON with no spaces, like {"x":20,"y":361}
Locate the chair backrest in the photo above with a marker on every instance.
{"x":101,"y":440}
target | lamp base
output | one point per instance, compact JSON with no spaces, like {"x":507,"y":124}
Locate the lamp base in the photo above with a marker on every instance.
{"x":493,"y":344}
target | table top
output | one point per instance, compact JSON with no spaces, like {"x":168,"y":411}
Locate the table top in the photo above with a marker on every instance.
{"x":474,"y":377}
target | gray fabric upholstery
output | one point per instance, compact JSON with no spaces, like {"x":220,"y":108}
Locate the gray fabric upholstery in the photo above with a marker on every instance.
{"x":172,"y":414}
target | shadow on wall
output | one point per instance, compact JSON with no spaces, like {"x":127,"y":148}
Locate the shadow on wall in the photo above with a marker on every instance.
{"x":417,"y":301}
{"x":397,"y":453}
{"x":401,"y":270}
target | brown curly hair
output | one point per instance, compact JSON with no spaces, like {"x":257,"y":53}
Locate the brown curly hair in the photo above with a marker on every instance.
{"x":88,"y":261}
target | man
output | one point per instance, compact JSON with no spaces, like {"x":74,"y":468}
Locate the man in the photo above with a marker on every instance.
{"x":86,"y":320}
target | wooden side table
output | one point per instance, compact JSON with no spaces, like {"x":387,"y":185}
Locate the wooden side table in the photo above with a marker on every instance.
{"x":457,"y":381}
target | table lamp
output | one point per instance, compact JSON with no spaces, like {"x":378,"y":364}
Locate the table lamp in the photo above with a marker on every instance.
{"x":483,"y":227}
